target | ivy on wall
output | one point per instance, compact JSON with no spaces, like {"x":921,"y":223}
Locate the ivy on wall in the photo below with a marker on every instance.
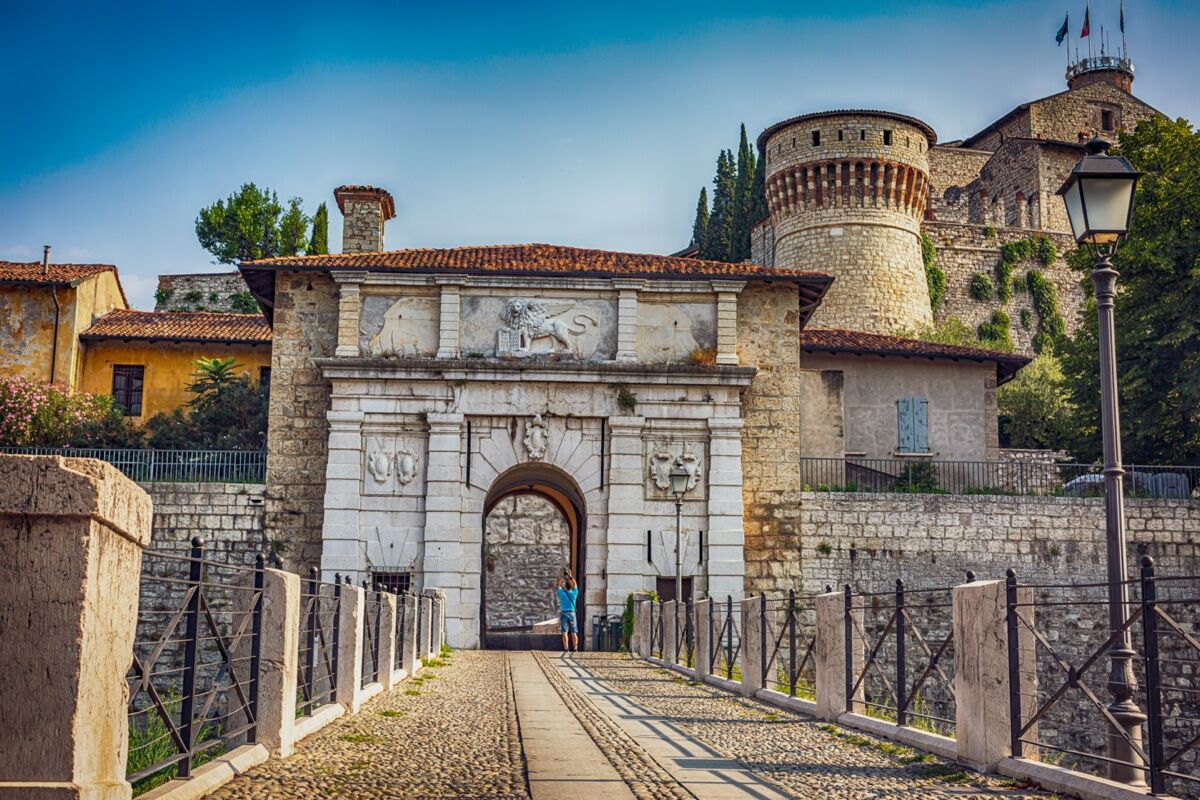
{"x":997,"y":330}
{"x":935,"y":277}
{"x":1045,"y":304}
{"x":981,"y":287}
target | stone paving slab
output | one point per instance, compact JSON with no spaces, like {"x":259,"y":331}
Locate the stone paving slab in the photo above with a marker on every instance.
{"x":802,"y":756}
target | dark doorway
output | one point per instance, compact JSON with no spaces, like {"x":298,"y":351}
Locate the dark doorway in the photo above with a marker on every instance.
{"x":666,"y":588}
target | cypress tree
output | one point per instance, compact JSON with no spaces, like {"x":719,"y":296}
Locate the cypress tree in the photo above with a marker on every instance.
{"x":700,"y":226}
{"x":758,"y":199}
{"x":720,"y":226}
{"x":318,"y":245}
{"x":743,"y":201}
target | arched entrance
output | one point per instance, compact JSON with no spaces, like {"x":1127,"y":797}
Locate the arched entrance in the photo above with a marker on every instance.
{"x":534,"y":519}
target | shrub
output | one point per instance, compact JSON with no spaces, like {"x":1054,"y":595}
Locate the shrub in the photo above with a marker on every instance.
{"x":626,"y":399}
{"x":39,"y":415}
{"x":1046,"y":252}
{"x":989,"y":232}
{"x":227,"y":412}
{"x":704,"y":356}
{"x":995,"y":333}
{"x":981,"y":287}
{"x":1026,"y":318}
{"x":935,"y":277}
{"x":244,"y":303}
{"x":918,"y":476}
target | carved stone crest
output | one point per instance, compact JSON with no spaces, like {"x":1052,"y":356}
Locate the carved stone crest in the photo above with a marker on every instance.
{"x":379,"y":464}
{"x":536,"y":438}
{"x":528,"y":322}
{"x":406,"y":467}
{"x":691,"y":462}
{"x":662,"y":461}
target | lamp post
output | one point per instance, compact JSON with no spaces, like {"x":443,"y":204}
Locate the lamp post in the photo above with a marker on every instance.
{"x":679,"y":485}
{"x":1099,"y":198}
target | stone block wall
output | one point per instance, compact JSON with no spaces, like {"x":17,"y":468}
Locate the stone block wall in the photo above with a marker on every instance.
{"x":204,"y":291}
{"x":306,"y":321}
{"x":227,"y":516}
{"x":527,"y":544}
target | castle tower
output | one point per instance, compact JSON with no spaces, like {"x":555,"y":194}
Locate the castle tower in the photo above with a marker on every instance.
{"x":1117,"y":70}
{"x":846,"y":191}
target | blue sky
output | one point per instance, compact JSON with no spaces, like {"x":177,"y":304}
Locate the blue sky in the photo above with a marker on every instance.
{"x":550,"y":122}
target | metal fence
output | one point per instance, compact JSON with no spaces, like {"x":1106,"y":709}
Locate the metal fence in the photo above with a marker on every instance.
{"x":372,"y":628}
{"x":149,"y":466}
{"x":193,"y":683}
{"x":401,"y":618}
{"x":1062,"y":632}
{"x":907,"y":674}
{"x":725,"y":639}
{"x":923,"y":476}
{"x":657,"y":646}
{"x":320,"y":623}
{"x":788,"y":641}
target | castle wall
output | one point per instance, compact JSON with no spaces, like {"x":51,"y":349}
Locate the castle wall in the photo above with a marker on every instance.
{"x":951,"y":171}
{"x":215,"y":291}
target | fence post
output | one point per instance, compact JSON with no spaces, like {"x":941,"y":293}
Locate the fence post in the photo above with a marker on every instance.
{"x":351,"y":611}
{"x":670,"y":642}
{"x":412,"y":617}
{"x":989,"y":672}
{"x":387,"y":639}
{"x":278,"y":663}
{"x":792,"y":642}
{"x":1153,"y":678}
{"x":729,"y":637}
{"x":901,"y":677}
{"x":187,"y":710}
{"x":751,"y":613}
{"x":437,"y":632}
{"x":763,"y":636}
{"x":702,"y":654}
{"x":426,"y":625}
{"x":71,"y":538}
{"x":834,"y":654}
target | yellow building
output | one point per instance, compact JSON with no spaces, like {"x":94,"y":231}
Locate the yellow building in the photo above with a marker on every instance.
{"x":43,"y":309}
{"x":146,"y":359}
{"x":70,"y":324}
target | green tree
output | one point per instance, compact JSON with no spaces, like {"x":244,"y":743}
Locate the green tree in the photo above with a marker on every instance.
{"x":251,"y":224}
{"x":318,"y":244}
{"x":700,"y":226}
{"x":743,"y":200}
{"x":720,"y":225}
{"x":1035,"y":407}
{"x":1157,"y":334}
{"x":227,"y":412}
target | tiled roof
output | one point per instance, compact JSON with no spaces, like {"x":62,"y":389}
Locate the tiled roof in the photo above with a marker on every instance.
{"x":357,"y":191}
{"x":543,"y":259}
{"x":180,"y":326}
{"x":32,"y":272}
{"x":843,"y":341}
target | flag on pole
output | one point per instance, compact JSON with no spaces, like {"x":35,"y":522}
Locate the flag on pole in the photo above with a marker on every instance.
{"x":1086,"y":30}
{"x":1122,"y":16}
{"x":1062,"y":32}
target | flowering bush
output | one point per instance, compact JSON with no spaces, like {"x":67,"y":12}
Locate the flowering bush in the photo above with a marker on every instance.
{"x":40,"y":415}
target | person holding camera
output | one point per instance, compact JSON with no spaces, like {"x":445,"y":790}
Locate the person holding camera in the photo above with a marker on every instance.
{"x":567,"y":591}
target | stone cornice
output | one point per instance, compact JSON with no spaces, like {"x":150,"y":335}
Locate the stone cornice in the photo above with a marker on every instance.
{"x":532,"y":282}
{"x":494,"y":369}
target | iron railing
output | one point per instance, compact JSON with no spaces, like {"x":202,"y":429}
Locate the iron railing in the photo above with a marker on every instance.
{"x":193,"y":683}
{"x":909,"y":628}
{"x":657,"y":645}
{"x":724,"y":639}
{"x":372,"y":628}
{"x":685,"y":639}
{"x":922,"y":476}
{"x":320,"y":626}
{"x":788,"y":640}
{"x":149,"y":466}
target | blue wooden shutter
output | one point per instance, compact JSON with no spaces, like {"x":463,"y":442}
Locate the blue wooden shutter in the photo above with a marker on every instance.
{"x":904,"y":420}
{"x":920,"y":425}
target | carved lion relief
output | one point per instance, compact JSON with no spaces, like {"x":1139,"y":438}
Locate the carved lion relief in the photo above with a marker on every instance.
{"x":528,"y":322}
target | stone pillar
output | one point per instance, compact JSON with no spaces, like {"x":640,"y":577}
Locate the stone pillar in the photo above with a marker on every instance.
{"x":409,"y":632}
{"x":725,"y":559}
{"x":627,"y":567}
{"x":830,"y":654}
{"x":349,"y":312}
{"x":981,"y":682}
{"x":752,"y":636}
{"x":387,"y":639}
{"x":351,"y":613}
{"x":670,"y":620}
{"x":279,"y":654}
{"x":71,"y":537}
{"x":638,"y":642}
{"x":443,"y":522}
{"x":727,"y":292}
{"x":340,"y":549}
{"x":437,"y":629}
{"x":449,"y":321}
{"x":701,"y":659}
{"x":627,"y":318}
{"x":426,"y":621}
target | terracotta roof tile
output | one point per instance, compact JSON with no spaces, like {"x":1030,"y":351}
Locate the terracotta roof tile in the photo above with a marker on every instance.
{"x":32,"y":272}
{"x":180,"y":326}
{"x":843,"y":341}
{"x":543,"y":259}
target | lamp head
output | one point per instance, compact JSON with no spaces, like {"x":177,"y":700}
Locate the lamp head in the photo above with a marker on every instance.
{"x":1099,"y":195}
{"x":679,"y":479}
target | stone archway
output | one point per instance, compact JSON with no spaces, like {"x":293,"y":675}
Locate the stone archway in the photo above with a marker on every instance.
{"x":533,"y":524}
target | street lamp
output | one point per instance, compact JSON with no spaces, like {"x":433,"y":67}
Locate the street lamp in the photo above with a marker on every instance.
{"x":1099,"y":198}
{"x":679,"y":485}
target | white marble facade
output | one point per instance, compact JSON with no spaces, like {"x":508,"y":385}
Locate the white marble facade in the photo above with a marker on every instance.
{"x":444,"y":389}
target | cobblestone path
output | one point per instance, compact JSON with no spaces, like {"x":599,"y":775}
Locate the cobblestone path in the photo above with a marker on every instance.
{"x":457,"y":733}
{"x":803,"y":756}
{"x":453,"y":734}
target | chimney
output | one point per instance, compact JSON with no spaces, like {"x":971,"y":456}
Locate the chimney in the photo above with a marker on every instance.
{"x":46,"y":260}
{"x":365,"y":210}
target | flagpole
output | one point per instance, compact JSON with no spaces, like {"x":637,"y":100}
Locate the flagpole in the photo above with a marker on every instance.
{"x":1124,"y":48}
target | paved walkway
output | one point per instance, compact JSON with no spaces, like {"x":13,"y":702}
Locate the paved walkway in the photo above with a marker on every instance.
{"x":542,"y":726}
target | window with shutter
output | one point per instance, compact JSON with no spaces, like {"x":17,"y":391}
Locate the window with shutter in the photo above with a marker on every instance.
{"x":912,"y":422}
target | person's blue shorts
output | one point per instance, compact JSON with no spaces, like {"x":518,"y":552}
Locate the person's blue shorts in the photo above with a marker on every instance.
{"x":567,"y":623}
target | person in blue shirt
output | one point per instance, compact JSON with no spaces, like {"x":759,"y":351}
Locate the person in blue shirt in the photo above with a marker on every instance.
{"x":568,"y":591}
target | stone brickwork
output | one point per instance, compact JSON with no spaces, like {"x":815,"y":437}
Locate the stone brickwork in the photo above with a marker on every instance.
{"x":204,"y":291}
{"x":768,"y":338}
{"x":227,"y":516}
{"x":526,"y":545}
{"x":846,"y":194}
{"x":305,"y":327}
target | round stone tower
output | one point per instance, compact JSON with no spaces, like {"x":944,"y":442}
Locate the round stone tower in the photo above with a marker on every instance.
{"x":847,"y":191}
